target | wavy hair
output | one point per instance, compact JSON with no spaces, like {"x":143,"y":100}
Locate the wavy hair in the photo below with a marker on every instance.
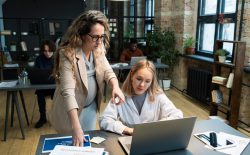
{"x":72,"y":38}
{"x":154,"y":87}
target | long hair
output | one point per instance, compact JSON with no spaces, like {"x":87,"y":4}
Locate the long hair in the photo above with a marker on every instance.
{"x":72,"y":39}
{"x":154,"y":87}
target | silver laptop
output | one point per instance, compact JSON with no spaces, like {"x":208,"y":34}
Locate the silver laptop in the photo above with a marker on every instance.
{"x":158,"y":137}
{"x":134,"y":60}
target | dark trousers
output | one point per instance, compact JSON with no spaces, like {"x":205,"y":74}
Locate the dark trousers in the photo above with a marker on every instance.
{"x":41,"y":94}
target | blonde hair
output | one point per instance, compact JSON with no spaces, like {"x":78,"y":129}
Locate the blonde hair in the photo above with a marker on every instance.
{"x":72,"y":39}
{"x":154,"y":87}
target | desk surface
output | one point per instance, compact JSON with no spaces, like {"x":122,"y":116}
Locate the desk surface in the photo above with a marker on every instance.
{"x":157,"y":66}
{"x":28,"y":86}
{"x":195,"y":146}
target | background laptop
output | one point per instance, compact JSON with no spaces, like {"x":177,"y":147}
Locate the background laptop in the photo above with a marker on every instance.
{"x":134,"y":60}
{"x":159,"y":136}
{"x":40,"y":76}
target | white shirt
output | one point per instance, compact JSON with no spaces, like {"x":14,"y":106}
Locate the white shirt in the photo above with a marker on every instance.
{"x":116,"y":118}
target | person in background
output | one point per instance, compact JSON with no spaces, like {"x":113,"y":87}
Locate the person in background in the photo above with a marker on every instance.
{"x":44,"y":61}
{"x":81,"y":68}
{"x":132,"y":51}
{"x":144,"y":102}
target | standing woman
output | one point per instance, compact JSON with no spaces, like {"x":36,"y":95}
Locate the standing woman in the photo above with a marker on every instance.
{"x":81,"y":68}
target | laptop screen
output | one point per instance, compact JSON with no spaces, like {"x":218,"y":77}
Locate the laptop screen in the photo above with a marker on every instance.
{"x":40,"y":76}
{"x":134,"y":60}
{"x":162,"y":136}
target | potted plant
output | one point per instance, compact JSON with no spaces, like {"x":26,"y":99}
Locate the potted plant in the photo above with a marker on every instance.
{"x":221,"y":54}
{"x":161,"y":45}
{"x":189,"y":45}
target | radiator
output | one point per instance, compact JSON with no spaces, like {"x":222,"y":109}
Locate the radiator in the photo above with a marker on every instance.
{"x":199,"y":84}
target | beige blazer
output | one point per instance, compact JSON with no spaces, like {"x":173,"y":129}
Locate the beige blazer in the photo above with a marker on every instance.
{"x":72,"y":92}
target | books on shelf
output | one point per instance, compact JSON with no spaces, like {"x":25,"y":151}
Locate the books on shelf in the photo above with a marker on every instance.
{"x":217,"y":96}
{"x":230,"y":80}
{"x":219,"y":80}
{"x":5,"y":32}
{"x":23,"y":46}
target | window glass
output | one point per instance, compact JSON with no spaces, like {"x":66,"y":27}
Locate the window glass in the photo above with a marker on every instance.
{"x":149,"y":8}
{"x":230,"y":6}
{"x":207,"y":37}
{"x":228,"y":34}
{"x":228,"y":31}
{"x":208,"y":7}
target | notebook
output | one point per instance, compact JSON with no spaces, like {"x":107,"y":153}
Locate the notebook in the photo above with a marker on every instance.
{"x":157,"y":137}
{"x":134,"y":60}
{"x":40,"y":76}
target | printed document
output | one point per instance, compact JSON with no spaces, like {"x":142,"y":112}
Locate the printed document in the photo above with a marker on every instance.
{"x":73,"y":150}
{"x":50,"y":143}
{"x":241,"y":144}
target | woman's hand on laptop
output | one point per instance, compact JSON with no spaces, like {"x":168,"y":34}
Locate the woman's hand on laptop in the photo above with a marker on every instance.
{"x":128,"y":131}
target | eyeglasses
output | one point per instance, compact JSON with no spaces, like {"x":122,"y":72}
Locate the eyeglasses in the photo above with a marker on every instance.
{"x":95,"y":38}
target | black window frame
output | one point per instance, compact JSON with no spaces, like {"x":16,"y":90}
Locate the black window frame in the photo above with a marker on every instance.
{"x":218,"y":27}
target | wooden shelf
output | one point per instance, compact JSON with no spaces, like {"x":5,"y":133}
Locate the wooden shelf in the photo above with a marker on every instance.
{"x":223,"y":85}
{"x":223,"y":105}
{"x":236,"y":67}
{"x":225,"y":64}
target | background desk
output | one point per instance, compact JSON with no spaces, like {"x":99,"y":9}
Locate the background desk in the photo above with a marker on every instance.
{"x":13,"y":91}
{"x":158,"y":67}
{"x":195,"y":146}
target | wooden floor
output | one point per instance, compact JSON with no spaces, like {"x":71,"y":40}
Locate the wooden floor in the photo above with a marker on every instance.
{"x":15,"y":145}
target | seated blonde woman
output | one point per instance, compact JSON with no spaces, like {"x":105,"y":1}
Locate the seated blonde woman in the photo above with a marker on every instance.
{"x":144,"y":102}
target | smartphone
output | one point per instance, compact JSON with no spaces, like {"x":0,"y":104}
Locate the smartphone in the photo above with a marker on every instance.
{"x":222,"y":141}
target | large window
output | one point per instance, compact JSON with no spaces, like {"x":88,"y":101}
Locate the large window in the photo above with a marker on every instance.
{"x":216,"y":21}
{"x":139,"y":21}
{"x":149,"y":13}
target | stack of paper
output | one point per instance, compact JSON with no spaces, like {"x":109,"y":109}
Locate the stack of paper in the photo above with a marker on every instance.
{"x":63,"y":146}
{"x":73,"y":150}
{"x":8,"y":84}
{"x":219,"y":80}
